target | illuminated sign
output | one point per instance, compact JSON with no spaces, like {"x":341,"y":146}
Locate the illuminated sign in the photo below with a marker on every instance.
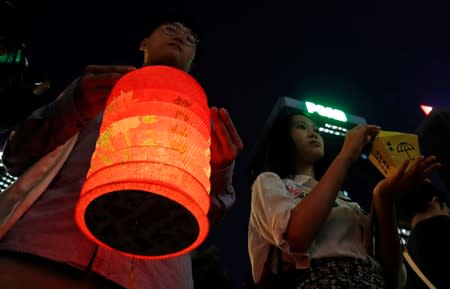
{"x":326,"y":111}
{"x":426,"y":109}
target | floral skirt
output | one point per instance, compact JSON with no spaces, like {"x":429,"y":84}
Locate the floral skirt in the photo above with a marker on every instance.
{"x":339,"y":273}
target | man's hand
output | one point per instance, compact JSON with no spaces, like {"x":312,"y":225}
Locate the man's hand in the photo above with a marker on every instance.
{"x":225,"y":140}
{"x":95,"y":86}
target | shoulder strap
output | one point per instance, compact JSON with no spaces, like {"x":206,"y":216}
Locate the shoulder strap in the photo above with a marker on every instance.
{"x":19,"y":197}
{"x":416,"y":269}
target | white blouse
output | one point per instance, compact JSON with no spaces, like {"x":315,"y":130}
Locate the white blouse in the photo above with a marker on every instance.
{"x":345,"y":232}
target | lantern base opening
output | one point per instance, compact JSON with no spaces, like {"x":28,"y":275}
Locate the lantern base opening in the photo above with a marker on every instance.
{"x":141,"y":223}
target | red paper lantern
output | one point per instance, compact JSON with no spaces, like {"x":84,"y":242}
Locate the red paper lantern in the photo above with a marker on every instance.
{"x":146,"y":193}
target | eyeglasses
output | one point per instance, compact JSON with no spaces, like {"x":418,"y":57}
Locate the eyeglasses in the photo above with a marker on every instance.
{"x":190,"y":38}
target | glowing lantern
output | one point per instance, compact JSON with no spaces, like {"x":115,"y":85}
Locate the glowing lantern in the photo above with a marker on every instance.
{"x":146,"y":193}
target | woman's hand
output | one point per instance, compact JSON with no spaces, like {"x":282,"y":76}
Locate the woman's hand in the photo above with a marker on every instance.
{"x":357,"y":138}
{"x":406,"y":179}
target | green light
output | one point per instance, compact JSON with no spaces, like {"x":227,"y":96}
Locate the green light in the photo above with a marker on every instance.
{"x":326,"y":111}
{"x":7,"y":58}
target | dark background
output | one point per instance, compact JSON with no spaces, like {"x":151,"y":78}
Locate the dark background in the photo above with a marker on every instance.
{"x":379,"y":60}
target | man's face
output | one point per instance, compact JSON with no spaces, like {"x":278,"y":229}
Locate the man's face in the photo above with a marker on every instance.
{"x":171,"y":44}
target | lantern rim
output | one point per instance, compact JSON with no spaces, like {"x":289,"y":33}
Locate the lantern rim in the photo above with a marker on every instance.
{"x":178,"y":196}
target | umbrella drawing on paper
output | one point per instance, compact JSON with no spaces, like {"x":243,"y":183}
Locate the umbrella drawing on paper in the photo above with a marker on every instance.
{"x":405,"y":147}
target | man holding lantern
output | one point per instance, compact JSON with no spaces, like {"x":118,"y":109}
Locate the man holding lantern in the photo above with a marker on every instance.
{"x":45,"y":248}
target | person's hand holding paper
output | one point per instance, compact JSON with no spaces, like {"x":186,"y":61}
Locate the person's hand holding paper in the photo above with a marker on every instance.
{"x":390,"y":149}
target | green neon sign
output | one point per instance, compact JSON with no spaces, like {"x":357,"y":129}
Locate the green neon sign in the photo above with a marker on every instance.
{"x":326,"y":111}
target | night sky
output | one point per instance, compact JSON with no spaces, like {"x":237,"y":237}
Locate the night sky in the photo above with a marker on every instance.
{"x":379,"y":61}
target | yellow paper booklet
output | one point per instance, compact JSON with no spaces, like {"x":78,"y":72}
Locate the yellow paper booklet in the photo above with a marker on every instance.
{"x":390,"y":149}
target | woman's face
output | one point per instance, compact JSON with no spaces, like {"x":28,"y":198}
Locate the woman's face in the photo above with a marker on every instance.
{"x":308,"y":142}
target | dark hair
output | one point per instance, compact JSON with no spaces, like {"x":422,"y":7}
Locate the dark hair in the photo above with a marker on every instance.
{"x":190,"y":22}
{"x":418,"y":200}
{"x":279,"y":150}
{"x":431,"y":140}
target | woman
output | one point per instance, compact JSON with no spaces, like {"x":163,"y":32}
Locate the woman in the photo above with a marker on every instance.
{"x":322,"y":238}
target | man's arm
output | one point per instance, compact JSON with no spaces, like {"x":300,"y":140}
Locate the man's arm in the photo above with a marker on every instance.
{"x":223,"y":194}
{"x":48,"y":127}
{"x":52,"y":125}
